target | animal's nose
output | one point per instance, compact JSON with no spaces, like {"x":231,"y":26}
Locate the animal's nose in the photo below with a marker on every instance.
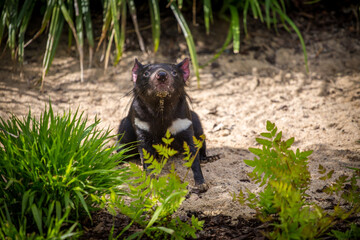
{"x":161,"y":76}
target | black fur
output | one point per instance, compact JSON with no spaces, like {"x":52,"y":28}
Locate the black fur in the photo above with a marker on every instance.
{"x":159,"y":100}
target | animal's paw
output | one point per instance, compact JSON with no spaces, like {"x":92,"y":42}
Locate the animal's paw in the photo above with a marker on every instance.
{"x":200,"y":188}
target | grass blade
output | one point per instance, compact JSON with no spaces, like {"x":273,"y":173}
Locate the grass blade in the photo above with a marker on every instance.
{"x":70,"y":22}
{"x":108,"y":49}
{"x":180,"y":4}
{"x":56,"y":25}
{"x":160,"y":208}
{"x":24,"y":201}
{"x":245,"y":13}
{"x":11,"y":7}
{"x":85,"y":8}
{"x":207,"y":15}
{"x":189,"y":40}
{"x":167,"y":230}
{"x":292,"y":24}
{"x":258,"y":10}
{"x":29,"y":6}
{"x":37,"y":217}
{"x":226,"y":43}
{"x":24,"y":10}
{"x":136,"y":26}
{"x":106,"y":24}
{"x":58,"y":210}
{"x":82,"y":200}
{"x":114,"y":16}
{"x":283,"y":6}
{"x":2,"y":23}
{"x":253,"y":9}
{"x":49,"y":213}
{"x":275,"y":4}
{"x":71,"y":14}
{"x":155,"y":22}
{"x":123,"y":27}
{"x":275,"y":22}
{"x":47,"y":16}
{"x":267,"y":13}
{"x":224,"y":7}
{"x":80,"y":35}
{"x":235,"y":28}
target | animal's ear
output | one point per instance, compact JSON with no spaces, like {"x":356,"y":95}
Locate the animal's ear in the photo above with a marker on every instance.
{"x":185,"y":67}
{"x":135,"y":69}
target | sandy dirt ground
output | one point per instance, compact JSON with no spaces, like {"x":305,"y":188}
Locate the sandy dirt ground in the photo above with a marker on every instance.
{"x":238,"y":93}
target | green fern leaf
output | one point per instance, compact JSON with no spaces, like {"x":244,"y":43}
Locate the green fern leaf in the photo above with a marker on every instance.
{"x":250,"y":163}
{"x":146,"y":154}
{"x":269,"y":126}
{"x":273,"y":132}
{"x":256,"y":151}
{"x":306,"y":154}
{"x":167,"y":141}
{"x":264,"y":142}
{"x":172,"y":152}
{"x":289,"y":142}
{"x":278,"y":137}
{"x":168,"y":134}
{"x":267,"y":135}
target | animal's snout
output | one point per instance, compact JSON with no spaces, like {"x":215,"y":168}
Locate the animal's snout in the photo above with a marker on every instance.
{"x":161,"y":76}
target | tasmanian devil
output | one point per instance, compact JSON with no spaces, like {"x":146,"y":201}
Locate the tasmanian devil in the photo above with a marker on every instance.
{"x":160,"y":104}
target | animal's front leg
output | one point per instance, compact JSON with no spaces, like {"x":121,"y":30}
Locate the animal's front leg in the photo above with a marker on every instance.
{"x":195,"y":167}
{"x":198,"y":131}
{"x":187,"y":136}
{"x":145,"y":140}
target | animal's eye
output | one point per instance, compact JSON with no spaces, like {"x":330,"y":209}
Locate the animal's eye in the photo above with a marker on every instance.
{"x":174,"y":73}
{"x":146,"y":74}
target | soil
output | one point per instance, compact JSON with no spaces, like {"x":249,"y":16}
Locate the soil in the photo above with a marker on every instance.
{"x":238,"y":93}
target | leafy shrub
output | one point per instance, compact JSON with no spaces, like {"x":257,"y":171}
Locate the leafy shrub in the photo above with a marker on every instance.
{"x":285,"y":177}
{"x":155,"y":197}
{"x":52,"y":171}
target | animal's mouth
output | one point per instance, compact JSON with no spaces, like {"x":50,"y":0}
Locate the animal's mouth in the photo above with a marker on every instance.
{"x":163,"y":90}
{"x":160,"y":90}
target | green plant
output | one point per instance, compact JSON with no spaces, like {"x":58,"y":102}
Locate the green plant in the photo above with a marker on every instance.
{"x":55,"y":230}
{"x":155,"y":197}
{"x":15,"y":18}
{"x":273,"y":10}
{"x":283,"y":200}
{"x":52,"y":172}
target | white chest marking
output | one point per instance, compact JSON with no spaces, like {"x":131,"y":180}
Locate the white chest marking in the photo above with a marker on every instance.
{"x":179,"y":125}
{"x":142,"y":125}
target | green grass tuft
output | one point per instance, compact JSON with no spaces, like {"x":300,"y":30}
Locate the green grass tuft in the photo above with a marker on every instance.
{"x":52,"y":171}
